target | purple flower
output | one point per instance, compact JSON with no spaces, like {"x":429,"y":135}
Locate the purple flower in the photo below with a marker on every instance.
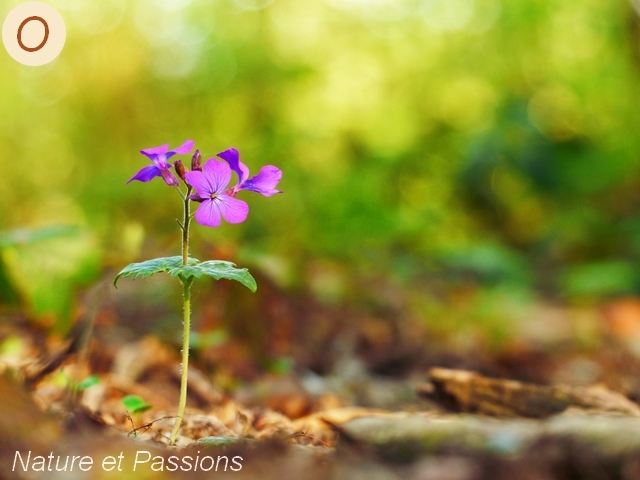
{"x":160,"y":167}
{"x":264,"y":182}
{"x":211,"y":190}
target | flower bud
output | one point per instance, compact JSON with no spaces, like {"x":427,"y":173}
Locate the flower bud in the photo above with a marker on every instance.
{"x":180,"y":170}
{"x":196,"y":161}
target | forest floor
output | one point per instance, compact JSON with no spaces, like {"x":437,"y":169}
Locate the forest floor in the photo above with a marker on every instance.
{"x":517,"y":419}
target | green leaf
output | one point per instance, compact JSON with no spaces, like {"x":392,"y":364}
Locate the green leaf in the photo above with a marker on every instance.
{"x":217,"y":269}
{"x":148,"y":268}
{"x":90,"y":381}
{"x":135,"y":404}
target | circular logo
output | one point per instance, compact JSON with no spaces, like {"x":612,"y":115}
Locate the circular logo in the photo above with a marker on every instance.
{"x":34,"y":33}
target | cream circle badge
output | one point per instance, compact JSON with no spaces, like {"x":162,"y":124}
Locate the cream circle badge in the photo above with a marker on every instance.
{"x":34,"y":33}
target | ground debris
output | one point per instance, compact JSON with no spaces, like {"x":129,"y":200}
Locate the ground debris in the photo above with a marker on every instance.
{"x":464,"y":391}
{"x":607,"y":442}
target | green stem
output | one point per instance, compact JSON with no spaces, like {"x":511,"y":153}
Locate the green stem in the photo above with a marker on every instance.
{"x":185,"y":359}
{"x":186,"y":310}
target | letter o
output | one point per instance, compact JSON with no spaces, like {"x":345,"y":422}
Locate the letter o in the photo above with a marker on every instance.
{"x":20,"y":42}
{"x":44,"y":40}
{"x":211,"y":459}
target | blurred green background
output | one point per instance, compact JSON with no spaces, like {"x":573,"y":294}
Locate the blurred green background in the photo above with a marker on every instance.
{"x":476,"y":144}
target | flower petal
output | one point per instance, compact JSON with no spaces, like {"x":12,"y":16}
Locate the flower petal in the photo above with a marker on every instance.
{"x":169,"y":178}
{"x":199,"y":182}
{"x":218,"y":174}
{"x":208,"y":214}
{"x":232,"y":209}
{"x":146,"y":174}
{"x":154,"y":152}
{"x":265,"y":181}
{"x":186,"y":147}
{"x":214,"y":178}
{"x":232,"y":157}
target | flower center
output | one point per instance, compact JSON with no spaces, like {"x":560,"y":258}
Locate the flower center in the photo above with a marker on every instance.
{"x":213,"y":196}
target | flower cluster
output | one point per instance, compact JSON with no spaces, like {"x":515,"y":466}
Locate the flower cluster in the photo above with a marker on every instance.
{"x":211,"y":181}
{"x":160,"y":167}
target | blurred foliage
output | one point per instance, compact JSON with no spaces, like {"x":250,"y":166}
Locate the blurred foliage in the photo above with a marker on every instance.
{"x":40,"y":269}
{"x":135,"y":404}
{"x":88,"y":382}
{"x":481,"y":141}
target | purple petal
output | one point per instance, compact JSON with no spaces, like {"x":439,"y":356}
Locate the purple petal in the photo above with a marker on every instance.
{"x":146,"y":174}
{"x":186,"y":147}
{"x":154,"y":152}
{"x":199,"y":182}
{"x":232,"y":157}
{"x":232,"y":209}
{"x":208,"y":214}
{"x":265,"y":181}
{"x":214,"y":178}
{"x":218,"y":174}
{"x":169,"y":178}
